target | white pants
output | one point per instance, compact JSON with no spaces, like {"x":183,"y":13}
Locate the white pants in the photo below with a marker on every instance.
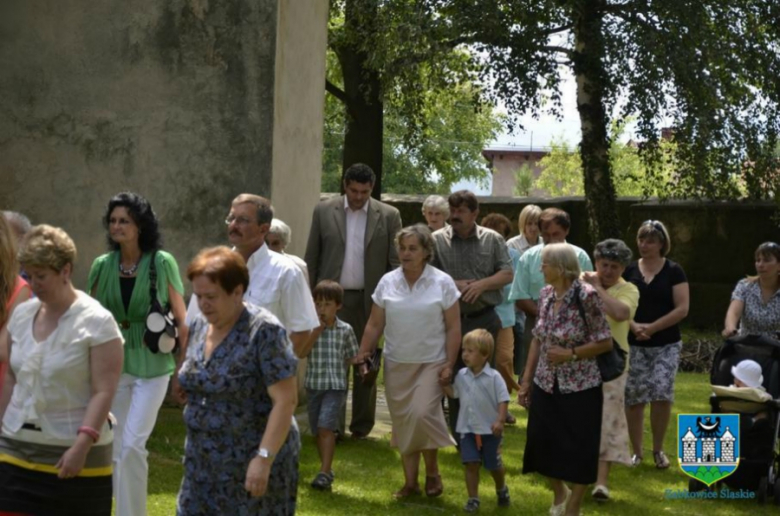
{"x":135,"y":407}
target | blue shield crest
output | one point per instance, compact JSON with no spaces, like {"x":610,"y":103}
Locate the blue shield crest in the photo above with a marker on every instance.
{"x":708,"y":445}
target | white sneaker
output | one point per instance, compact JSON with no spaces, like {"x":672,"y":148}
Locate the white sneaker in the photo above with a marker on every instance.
{"x":560,"y":509}
{"x":600,"y":493}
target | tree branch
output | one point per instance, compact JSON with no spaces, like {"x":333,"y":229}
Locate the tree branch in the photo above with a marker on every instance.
{"x":556,"y":30}
{"x":555,"y":48}
{"x":335,"y":91}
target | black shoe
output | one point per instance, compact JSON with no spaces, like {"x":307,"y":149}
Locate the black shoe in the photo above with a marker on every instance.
{"x":503,"y":497}
{"x":323,"y":481}
{"x":472,"y":505}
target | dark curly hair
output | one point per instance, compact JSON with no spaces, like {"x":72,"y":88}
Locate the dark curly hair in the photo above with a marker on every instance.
{"x":149,"y":238}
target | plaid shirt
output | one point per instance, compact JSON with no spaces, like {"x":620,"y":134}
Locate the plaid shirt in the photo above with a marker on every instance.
{"x":479,"y":256}
{"x":327,"y":367}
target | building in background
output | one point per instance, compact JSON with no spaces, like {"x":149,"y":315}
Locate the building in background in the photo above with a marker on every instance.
{"x":506,"y":161}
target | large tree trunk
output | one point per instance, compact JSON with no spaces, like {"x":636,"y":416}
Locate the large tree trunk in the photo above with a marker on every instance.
{"x":362,"y":87}
{"x":594,"y":149}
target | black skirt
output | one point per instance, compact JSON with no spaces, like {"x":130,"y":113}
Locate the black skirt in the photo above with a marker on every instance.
{"x":564,"y":434}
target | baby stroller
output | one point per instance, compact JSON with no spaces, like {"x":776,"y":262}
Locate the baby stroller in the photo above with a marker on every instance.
{"x":759,"y":465}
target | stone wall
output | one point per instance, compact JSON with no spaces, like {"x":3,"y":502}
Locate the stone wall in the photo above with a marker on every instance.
{"x":713,"y":241}
{"x":183,"y":101}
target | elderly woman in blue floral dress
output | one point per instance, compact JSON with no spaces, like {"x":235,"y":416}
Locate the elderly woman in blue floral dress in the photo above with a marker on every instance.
{"x":242,"y":448}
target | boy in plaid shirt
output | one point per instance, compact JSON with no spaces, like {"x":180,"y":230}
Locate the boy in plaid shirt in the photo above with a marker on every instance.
{"x":326,"y":375}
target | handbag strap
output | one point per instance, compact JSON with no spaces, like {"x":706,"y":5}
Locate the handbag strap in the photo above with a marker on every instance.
{"x":580,"y":308}
{"x":153,"y":279}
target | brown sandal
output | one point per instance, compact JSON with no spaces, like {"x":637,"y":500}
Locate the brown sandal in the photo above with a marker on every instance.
{"x":433,"y":486}
{"x":407,"y":491}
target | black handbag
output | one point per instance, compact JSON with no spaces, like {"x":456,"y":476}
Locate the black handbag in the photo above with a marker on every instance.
{"x":611,"y":363}
{"x":374,"y":362}
{"x":162,"y":334}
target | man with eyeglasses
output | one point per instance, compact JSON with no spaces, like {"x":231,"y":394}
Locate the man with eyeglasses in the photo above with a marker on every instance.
{"x":528,"y":282}
{"x":351,"y":242}
{"x":275,"y":282}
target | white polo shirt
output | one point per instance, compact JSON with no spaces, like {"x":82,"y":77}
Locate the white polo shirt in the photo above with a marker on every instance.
{"x":278,"y":285}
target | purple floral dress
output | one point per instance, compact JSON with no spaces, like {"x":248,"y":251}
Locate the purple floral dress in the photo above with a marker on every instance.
{"x":227,"y":411}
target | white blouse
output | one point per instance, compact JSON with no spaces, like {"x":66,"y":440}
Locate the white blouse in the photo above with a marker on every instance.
{"x":53,"y":380}
{"x":414,"y":318}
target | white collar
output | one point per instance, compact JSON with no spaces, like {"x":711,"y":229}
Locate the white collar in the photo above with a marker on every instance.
{"x":257,"y":256}
{"x":364,"y":209}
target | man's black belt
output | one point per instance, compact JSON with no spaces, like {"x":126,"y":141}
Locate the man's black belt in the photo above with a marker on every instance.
{"x":478,"y":313}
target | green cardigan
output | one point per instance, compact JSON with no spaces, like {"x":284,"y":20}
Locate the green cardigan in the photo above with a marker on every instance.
{"x":104,"y":286}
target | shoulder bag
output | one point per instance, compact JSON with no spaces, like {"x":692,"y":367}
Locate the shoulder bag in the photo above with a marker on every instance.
{"x":611,"y":363}
{"x":162,"y":334}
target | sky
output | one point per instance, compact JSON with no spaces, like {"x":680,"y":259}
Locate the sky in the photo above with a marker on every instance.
{"x":539,"y":132}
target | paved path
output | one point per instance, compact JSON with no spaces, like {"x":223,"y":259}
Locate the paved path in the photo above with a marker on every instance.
{"x":381,"y":428}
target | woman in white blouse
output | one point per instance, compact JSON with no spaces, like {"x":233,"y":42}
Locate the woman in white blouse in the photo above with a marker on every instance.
{"x":417,"y":307}
{"x":65,"y":357}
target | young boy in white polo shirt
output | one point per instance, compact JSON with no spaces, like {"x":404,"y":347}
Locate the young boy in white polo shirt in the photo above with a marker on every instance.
{"x":484,"y":401}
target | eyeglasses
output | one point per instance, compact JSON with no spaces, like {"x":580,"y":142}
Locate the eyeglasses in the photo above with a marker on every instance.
{"x":241,"y":221}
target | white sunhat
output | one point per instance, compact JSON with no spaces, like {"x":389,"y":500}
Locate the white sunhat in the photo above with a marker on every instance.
{"x":749,"y":373}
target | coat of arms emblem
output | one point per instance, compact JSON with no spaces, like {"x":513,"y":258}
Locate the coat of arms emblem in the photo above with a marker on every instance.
{"x":708,"y":445}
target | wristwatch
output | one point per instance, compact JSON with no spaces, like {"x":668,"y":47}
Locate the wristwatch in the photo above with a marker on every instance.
{"x":264,"y":453}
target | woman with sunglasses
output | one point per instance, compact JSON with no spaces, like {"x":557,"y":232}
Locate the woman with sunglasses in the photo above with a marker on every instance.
{"x":654,"y":340}
{"x":755,"y":303}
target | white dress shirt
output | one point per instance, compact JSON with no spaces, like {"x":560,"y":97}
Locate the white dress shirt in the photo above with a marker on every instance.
{"x":352,"y":271}
{"x":414,"y":318}
{"x":278,"y":285}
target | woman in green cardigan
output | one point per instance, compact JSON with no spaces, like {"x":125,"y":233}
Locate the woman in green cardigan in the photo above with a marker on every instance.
{"x":120,"y":281}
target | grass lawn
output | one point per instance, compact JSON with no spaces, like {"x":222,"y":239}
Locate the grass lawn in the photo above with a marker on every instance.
{"x":368,"y":472}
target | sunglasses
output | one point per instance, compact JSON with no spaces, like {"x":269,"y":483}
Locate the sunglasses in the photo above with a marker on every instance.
{"x":655,"y":224}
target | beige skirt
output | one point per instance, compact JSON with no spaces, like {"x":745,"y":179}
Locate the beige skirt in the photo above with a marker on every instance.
{"x":614,"y":427}
{"x":414,"y":400}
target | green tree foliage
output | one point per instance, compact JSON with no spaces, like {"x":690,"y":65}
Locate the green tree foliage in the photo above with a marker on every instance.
{"x":711,"y":67}
{"x":453,"y":131}
{"x":562,"y":173}
{"x":524,"y":180}
{"x":395,"y":59}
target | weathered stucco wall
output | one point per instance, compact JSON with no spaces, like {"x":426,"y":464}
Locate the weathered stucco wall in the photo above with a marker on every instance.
{"x":300,"y":101}
{"x":714,"y":242}
{"x":174,"y":99}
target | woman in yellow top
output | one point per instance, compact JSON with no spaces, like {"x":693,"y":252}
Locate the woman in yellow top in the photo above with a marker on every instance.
{"x":620,"y":301}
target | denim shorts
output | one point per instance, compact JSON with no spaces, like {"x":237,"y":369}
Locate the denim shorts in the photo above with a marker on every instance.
{"x":324,"y":408}
{"x":489,"y":455}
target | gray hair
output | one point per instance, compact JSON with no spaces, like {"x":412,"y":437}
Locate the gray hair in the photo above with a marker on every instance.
{"x":19,"y":223}
{"x":613,"y":250}
{"x":437,"y":202}
{"x":423,"y":235}
{"x":265,"y":212}
{"x":282,"y":230}
{"x":564,"y":258}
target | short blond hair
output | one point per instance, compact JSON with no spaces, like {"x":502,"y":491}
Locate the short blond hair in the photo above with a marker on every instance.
{"x":47,"y":246}
{"x":564,"y":258}
{"x":480,"y":340}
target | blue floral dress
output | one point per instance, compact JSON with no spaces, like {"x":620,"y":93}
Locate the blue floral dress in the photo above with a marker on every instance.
{"x":227,"y":411}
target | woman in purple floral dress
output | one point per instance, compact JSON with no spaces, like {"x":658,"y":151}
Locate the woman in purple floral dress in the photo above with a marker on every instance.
{"x":565,"y":402}
{"x":241,"y":453}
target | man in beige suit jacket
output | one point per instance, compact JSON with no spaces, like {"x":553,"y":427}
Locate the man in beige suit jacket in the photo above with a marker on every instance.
{"x":351,"y":242}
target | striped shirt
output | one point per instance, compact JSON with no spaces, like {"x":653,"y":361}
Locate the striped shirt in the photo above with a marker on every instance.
{"x":327,"y":367}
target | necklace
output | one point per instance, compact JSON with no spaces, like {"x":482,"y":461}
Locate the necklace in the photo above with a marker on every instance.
{"x":130,"y":271}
